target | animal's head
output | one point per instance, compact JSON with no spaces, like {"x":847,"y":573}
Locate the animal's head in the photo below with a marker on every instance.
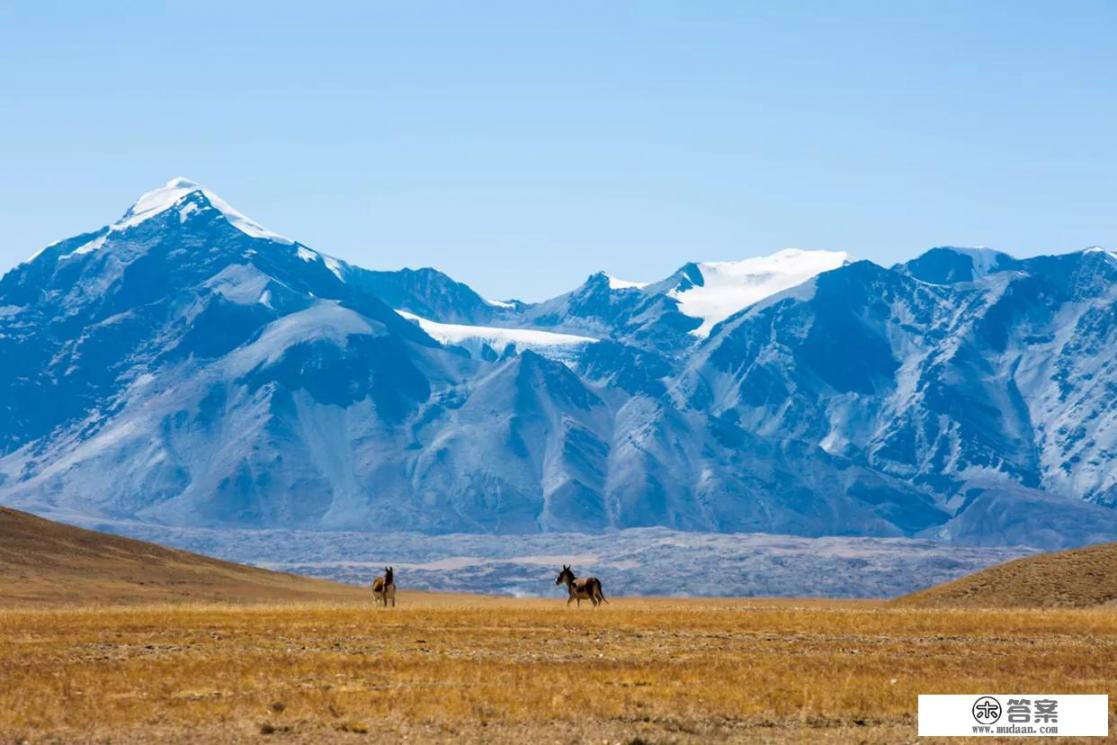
{"x":566,"y":575}
{"x":388,"y":573}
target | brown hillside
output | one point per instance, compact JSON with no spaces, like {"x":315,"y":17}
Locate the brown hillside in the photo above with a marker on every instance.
{"x":48,"y":563}
{"x":1081,"y":578}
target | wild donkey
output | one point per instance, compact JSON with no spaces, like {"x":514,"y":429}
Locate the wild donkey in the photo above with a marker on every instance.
{"x":384,"y":588}
{"x":587,"y":588}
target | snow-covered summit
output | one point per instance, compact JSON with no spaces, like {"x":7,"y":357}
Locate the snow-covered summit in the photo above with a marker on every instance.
{"x":615,"y":283}
{"x":175,"y":194}
{"x":728,"y":286}
{"x":1101,"y":250}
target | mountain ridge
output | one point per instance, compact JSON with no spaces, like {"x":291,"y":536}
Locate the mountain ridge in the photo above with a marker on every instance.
{"x":192,"y":368}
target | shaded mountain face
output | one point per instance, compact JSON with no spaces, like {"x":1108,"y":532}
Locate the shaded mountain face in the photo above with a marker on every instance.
{"x":945,"y":386}
{"x":948,"y":266}
{"x":428,"y":293}
{"x":186,"y":366}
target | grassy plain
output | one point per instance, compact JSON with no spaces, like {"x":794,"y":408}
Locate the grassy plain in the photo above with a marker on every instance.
{"x":469,"y":669}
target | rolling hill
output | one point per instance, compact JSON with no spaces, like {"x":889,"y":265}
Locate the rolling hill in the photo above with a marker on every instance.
{"x":47,"y":563}
{"x":1082,"y":578}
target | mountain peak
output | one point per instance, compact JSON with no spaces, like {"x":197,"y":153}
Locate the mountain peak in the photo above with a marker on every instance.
{"x":179,"y":182}
{"x":175,"y":194}
{"x":604,"y":279}
{"x":953,"y":264}
{"x":156,"y":201}
{"x":1100,"y":250}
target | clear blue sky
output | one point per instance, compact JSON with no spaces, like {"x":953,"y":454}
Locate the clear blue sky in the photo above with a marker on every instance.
{"x":520,"y":146}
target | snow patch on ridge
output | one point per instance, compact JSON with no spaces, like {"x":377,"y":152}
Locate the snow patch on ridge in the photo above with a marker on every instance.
{"x":311,"y":256}
{"x":729,"y":286}
{"x":90,"y":247}
{"x":496,"y":337}
{"x":333,"y":265}
{"x":624,"y":284}
{"x":1102,"y":250}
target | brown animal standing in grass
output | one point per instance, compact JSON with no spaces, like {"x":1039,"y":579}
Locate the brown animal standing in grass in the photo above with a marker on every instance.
{"x":384,"y":588}
{"x":586,"y":588}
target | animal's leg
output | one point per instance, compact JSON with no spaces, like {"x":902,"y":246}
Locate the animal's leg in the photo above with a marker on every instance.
{"x":570,"y":600}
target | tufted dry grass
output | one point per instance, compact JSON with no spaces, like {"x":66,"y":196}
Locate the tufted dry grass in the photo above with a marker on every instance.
{"x":474,"y":669}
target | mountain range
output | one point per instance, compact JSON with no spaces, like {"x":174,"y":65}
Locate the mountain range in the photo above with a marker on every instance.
{"x":184,"y":366}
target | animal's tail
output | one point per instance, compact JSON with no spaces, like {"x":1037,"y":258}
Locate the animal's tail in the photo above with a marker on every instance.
{"x":600,"y":594}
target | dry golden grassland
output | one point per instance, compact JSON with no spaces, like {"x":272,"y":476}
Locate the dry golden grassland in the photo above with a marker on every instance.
{"x":475,"y":669}
{"x":48,"y":563}
{"x":1080,"y":578}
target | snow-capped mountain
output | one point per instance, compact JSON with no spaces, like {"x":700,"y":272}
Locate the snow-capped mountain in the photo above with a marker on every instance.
{"x":185,"y":366}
